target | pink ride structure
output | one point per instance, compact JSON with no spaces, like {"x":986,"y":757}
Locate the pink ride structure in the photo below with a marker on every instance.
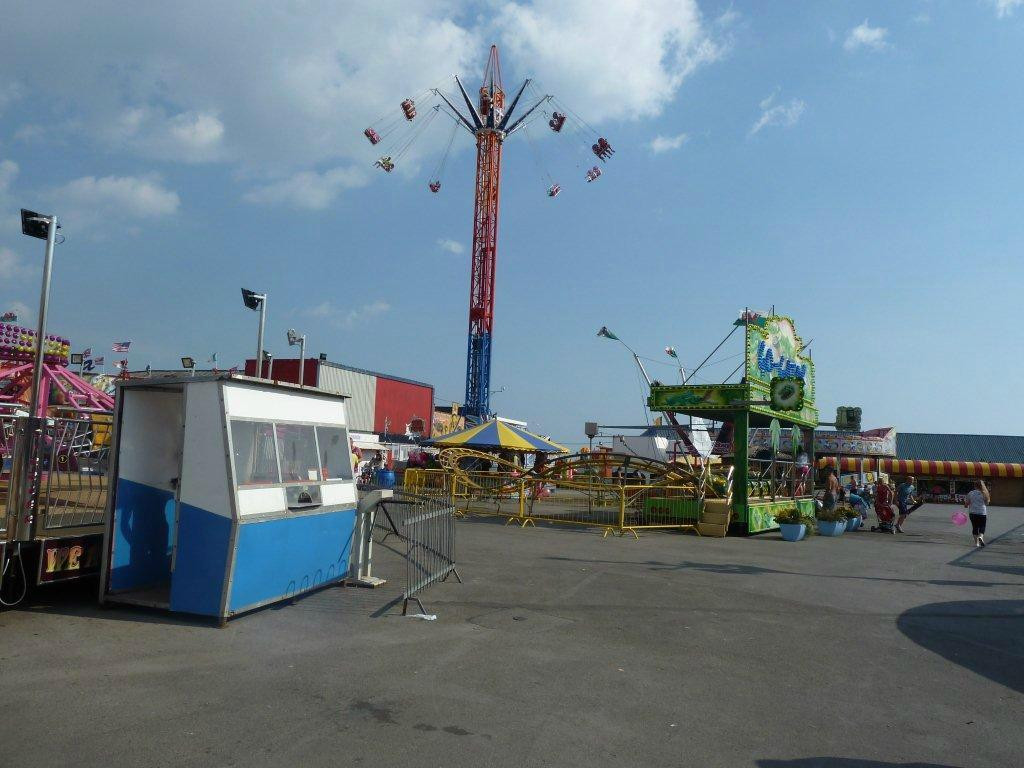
{"x":59,"y":388}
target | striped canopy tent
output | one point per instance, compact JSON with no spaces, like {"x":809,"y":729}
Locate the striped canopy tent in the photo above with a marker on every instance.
{"x":500,"y":436}
{"x":928,"y":468}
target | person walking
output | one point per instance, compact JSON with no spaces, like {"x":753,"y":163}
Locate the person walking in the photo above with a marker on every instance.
{"x":977,"y":502}
{"x":906,"y":501}
{"x":832,"y":488}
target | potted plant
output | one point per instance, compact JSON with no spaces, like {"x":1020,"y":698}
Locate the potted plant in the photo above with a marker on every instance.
{"x":831,"y":522}
{"x":793,"y":524}
{"x":853,"y":519}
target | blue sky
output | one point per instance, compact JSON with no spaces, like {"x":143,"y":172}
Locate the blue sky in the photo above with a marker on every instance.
{"x":856,"y":165}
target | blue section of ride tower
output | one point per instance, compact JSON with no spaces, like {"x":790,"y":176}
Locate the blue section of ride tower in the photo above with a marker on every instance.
{"x":478,"y":378}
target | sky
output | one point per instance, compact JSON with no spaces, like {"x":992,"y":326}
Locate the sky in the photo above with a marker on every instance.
{"x":855,"y":165}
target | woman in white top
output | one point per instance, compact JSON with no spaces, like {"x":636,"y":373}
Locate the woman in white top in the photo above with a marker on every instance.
{"x":977,"y":508}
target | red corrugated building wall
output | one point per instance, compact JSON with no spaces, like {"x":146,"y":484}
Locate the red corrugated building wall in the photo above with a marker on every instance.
{"x":399,"y":402}
{"x":396,"y":402}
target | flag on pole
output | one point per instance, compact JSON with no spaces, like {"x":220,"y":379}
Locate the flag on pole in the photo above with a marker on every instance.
{"x":607,"y":334}
{"x":121,"y":364}
{"x":88,"y":365}
{"x":88,"y":353}
{"x":213,"y":359}
{"x":671,"y":352}
{"x":121,"y":346}
{"x":97,"y":361}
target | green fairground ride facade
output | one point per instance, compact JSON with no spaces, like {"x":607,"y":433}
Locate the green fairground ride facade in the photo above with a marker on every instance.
{"x":763,"y":485}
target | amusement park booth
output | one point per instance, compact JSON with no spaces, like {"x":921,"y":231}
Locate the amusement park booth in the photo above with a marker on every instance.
{"x":763,"y":482}
{"x":228,"y":493}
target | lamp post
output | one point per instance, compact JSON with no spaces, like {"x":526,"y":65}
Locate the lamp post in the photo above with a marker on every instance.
{"x":45,"y":228}
{"x":269,"y":360}
{"x":257,"y":301}
{"x":293,"y":339}
{"x":189,"y":364}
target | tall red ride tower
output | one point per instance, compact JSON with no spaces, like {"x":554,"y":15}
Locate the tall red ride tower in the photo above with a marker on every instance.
{"x":489,"y":122}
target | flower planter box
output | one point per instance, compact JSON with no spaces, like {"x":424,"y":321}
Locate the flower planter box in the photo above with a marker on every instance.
{"x":853,"y":523}
{"x":826,"y":528}
{"x":792,"y":531}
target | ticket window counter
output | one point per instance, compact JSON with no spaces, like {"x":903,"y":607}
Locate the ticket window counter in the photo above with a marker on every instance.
{"x":229,"y":493}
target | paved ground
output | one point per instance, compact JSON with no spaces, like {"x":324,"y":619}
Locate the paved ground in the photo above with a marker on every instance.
{"x":561,"y":649}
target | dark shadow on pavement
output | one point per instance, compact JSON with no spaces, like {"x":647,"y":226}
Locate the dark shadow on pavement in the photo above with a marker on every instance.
{"x":984,"y":636}
{"x":844,"y":762}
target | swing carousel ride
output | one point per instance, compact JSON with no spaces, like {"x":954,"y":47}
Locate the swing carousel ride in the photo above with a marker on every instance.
{"x":490,"y":123}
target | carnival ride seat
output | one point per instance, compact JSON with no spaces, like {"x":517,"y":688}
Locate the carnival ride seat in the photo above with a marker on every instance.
{"x":553,"y":190}
{"x":593,"y":174}
{"x":556,"y":122}
{"x":372,"y":135}
{"x":385,"y":164}
{"x":409,"y":109}
{"x":435,"y":186}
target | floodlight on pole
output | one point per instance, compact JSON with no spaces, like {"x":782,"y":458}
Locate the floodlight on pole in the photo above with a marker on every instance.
{"x":604,"y":333}
{"x":43,"y":227}
{"x":257,"y":301}
{"x":293,"y":339}
{"x":189,"y":363}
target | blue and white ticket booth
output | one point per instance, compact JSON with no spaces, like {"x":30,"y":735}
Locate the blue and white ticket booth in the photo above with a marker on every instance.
{"x":228,"y":493}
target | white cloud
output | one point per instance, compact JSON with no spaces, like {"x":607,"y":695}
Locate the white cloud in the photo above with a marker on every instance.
{"x":8,"y":173}
{"x":185,"y":137}
{"x":309,"y":189}
{"x":87,"y":201}
{"x":921,"y":19}
{"x":866,"y":36}
{"x":348,"y":318}
{"x":288,"y":93}
{"x":778,"y":115}
{"x":1006,"y":8}
{"x":661,"y":144}
{"x":616,"y":60}
{"x":452,"y":246}
{"x":19,"y":308}
{"x":9,"y":93}
{"x":12,"y":267}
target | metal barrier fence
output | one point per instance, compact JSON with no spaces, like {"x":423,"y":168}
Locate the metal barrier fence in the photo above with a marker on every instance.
{"x":427,"y":526}
{"x":772,"y":479}
{"x":73,"y":488}
{"x":66,"y":482}
{"x":585,"y":500}
{"x":8,"y":438}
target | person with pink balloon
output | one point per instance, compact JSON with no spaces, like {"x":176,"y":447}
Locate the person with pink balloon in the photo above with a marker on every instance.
{"x":977,"y":503}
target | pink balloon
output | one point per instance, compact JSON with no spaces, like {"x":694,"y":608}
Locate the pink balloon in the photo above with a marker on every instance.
{"x":958,"y":518}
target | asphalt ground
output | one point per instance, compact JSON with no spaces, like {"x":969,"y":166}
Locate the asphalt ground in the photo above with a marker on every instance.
{"x":561,"y":648}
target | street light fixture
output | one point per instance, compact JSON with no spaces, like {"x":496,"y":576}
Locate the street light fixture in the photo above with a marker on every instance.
{"x":189,"y":364}
{"x":300,"y":340}
{"x":269,"y":360}
{"x":257,"y":302}
{"x":43,"y":227}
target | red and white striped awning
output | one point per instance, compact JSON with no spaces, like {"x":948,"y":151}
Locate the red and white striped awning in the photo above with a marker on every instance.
{"x":928,"y":468}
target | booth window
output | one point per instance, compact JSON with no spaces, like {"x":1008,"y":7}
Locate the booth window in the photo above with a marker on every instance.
{"x":335,"y":454}
{"x":296,"y":449}
{"x":255,"y":458}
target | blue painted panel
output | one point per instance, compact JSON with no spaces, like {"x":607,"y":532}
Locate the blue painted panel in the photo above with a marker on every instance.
{"x":200,"y":566}
{"x":279,"y":558}
{"x":143,"y":521}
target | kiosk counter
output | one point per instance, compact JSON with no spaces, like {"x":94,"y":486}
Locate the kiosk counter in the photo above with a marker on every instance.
{"x":228,"y":493}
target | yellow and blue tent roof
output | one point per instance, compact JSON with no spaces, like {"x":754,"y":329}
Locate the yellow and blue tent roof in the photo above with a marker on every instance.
{"x":498,"y":434}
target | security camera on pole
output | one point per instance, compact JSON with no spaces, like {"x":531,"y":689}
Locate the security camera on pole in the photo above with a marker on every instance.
{"x":257,"y":301}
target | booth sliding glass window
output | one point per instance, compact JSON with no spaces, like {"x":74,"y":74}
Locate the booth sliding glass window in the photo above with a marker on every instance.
{"x":255,"y":455}
{"x":335,"y":454}
{"x":296,"y":450}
